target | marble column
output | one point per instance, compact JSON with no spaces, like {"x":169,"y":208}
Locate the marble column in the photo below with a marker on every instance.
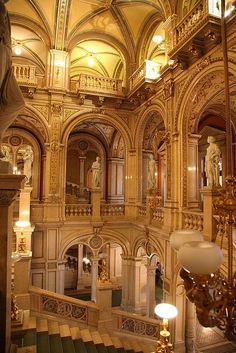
{"x":81,"y":174}
{"x":94,"y":272}
{"x":151,"y":295}
{"x":79,"y":265}
{"x":9,"y":186}
{"x":190,"y":334}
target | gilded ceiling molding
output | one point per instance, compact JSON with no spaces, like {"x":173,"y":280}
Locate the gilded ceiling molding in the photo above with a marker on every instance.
{"x":40,"y":13}
{"x":84,"y":115}
{"x":63,"y":7}
{"x":20,"y":20}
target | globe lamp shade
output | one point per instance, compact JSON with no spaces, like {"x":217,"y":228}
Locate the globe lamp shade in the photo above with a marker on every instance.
{"x":166,"y":311}
{"x":179,"y":237}
{"x":200,"y":257}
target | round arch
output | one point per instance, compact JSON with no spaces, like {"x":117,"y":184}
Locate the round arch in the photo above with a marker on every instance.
{"x":83,"y":237}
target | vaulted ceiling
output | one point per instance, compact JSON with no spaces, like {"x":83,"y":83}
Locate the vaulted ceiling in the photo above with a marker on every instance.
{"x":102,"y":37}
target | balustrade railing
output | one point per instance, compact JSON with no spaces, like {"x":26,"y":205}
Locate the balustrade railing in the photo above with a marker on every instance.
{"x":198,"y":15}
{"x":193,"y":220}
{"x":78,"y":210}
{"x":25,"y":74}
{"x":63,"y":307}
{"x":158,"y":215}
{"x":99,"y":84}
{"x":142,"y":210}
{"x":112,"y":210}
{"x":148,"y":71}
{"x":135,"y":325}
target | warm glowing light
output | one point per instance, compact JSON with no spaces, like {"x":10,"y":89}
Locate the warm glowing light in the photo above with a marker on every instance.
{"x":60,"y":63}
{"x":91,"y":61}
{"x":17,"y":51}
{"x":166,"y":311}
{"x":158,"y":39}
{"x":22,"y":224}
{"x":152,"y":69}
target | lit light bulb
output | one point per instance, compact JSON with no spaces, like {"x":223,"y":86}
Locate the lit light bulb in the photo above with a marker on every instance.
{"x":157,"y":39}
{"x":91,"y":61}
{"x":17,"y":51}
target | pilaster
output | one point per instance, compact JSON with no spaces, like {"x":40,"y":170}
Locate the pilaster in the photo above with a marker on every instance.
{"x":9,"y":186}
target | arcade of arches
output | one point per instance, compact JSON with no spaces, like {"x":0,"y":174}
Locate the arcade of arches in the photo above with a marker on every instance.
{"x":96,"y":84}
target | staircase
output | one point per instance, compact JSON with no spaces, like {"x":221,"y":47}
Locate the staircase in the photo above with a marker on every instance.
{"x":49,"y":336}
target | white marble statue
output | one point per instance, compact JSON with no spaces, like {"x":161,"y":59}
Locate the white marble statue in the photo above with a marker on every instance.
{"x":28,"y":160}
{"x":212,"y":163}
{"x":11,"y":99}
{"x":7,"y":154}
{"x":96,"y":170}
{"x":152,"y":173}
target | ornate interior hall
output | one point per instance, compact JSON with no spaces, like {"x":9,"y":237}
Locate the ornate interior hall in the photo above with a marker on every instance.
{"x":126,"y":133}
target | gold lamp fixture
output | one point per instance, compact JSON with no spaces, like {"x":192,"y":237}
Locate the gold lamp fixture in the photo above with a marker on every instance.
{"x":166,"y":312}
{"x":213,"y":294}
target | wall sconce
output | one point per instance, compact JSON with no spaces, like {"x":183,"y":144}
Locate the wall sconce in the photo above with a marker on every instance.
{"x":166,"y":312}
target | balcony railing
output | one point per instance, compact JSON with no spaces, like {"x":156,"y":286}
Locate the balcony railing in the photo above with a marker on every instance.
{"x":193,"y":220}
{"x":25,"y":74}
{"x":147,"y":72}
{"x":91,"y":84}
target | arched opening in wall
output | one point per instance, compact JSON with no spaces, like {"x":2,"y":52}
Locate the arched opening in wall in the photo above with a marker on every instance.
{"x":23,"y":150}
{"x":153,"y":172}
{"x":211,"y":151}
{"x":88,"y":141}
{"x":80,"y":260}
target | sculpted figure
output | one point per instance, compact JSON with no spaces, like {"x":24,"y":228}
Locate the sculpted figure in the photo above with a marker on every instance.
{"x":28,"y":160}
{"x":96,"y":169}
{"x":11,"y":99}
{"x":7,"y":154}
{"x":212,"y":163}
{"x":152,"y":171}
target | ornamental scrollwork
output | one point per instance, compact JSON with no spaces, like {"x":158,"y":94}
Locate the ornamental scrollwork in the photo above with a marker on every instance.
{"x":140,"y":327}
{"x":64,"y":309}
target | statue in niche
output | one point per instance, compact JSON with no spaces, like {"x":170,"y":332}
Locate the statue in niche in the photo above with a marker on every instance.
{"x":28,"y":160}
{"x":11,"y":99}
{"x":212,"y":163}
{"x":152,"y":173}
{"x":7,"y":154}
{"x":96,"y":170}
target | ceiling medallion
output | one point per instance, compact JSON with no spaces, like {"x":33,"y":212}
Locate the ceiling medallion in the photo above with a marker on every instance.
{"x":15,"y":140}
{"x":83,"y":145}
{"x":95,"y":242}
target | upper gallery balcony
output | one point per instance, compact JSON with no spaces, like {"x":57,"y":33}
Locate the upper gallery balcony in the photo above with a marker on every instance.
{"x":98,"y":86}
{"x":198,"y":32}
{"x":142,"y":81}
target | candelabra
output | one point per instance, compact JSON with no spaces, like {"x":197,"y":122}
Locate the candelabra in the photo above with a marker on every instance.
{"x":166,"y":312}
{"x":213,"y":294}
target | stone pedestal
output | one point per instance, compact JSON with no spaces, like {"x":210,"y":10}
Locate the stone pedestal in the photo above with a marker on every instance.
{"x":209,"y":223}
{"x":22,"y":281}
{"x":104,"y":302}
{"x":9,"y":186}
{"x":96,"y":200}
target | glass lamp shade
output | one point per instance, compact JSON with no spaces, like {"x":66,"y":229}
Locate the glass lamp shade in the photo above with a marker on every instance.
{"x":200,"y":257}
{"x":179,"y":237}
{"x":166,"y":311}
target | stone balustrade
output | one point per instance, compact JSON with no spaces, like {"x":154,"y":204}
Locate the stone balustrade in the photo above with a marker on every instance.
{"x":158,"y":215}
{"x":135,"y":324}
{"x":193,"y":220}
{"x":147,"y":72}
{"x":99,"y":85}
{"x":63,"y":307}
{"x":78,"y":210}
{"x":112,"y":210}
{"x":142,"y":211}
{"x":25,"y":74}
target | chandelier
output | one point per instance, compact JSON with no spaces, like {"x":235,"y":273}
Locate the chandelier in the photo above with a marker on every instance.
{"x":213,"y":293}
